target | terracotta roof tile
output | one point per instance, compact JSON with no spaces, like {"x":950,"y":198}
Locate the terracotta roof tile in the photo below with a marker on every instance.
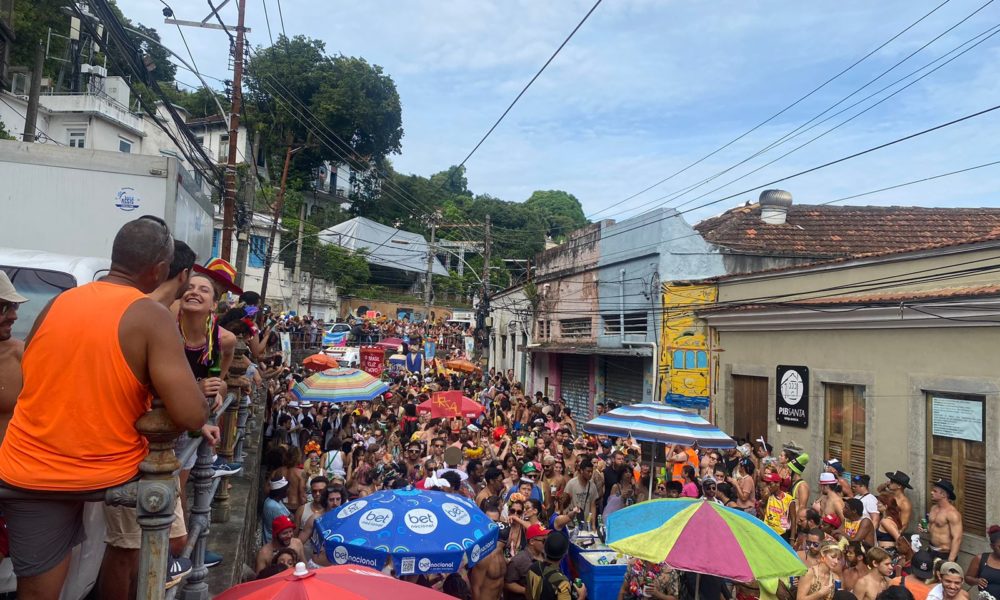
{"x":848,"y":231}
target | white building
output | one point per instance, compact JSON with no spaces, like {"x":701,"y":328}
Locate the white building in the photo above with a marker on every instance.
{"x":510,"y":336}
{"x":307,"y":296}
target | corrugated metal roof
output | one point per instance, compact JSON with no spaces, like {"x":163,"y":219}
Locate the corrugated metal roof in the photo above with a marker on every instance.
{"x":386,"y":246}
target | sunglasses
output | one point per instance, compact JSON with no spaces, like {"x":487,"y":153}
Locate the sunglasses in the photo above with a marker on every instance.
{"x":516,"y":512}
{"x":439,"y":445}
{"x":7,"y":306}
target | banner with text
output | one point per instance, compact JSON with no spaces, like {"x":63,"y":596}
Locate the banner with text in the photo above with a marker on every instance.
{"x":372,"y":360}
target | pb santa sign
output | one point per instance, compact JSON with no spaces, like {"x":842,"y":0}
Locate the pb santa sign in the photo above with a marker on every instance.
{"x":792,"y":396}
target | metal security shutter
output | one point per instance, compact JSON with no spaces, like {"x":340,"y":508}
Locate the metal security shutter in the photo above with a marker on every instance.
{"x":574,"y":378}
{"x":623,"y":377}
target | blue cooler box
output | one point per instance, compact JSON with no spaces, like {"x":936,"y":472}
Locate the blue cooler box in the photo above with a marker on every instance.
{"x":602,"y":581}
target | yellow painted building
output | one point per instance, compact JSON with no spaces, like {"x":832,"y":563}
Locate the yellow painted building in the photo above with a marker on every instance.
{"x":685,"y":346}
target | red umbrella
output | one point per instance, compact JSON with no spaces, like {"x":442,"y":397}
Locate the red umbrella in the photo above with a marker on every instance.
{"x":451,"y":404}
{"x":390,"y":343}
{"x":320,"y":362}
{"x":344,"y":582}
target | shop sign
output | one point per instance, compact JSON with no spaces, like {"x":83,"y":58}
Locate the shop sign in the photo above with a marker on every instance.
{"x":792,"y":396}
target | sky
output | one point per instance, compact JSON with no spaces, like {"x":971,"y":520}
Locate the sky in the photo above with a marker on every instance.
{"x":648,"y":87}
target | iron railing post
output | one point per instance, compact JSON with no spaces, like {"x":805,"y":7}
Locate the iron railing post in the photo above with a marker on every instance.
{"x":157,"y":493}
{"x":237,"y":383}
{"x":196,"y":586}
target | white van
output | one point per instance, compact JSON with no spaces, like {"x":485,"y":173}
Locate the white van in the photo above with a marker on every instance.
{"x":41,"y":276}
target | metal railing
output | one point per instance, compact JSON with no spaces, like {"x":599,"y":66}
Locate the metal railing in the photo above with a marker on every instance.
{"x":154,"y":493}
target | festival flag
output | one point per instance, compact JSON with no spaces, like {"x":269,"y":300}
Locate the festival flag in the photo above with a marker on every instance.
{"x":335,"y":339}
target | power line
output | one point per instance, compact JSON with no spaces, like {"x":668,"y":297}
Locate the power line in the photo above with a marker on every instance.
{"x":525,"y":88}
{"x":267,"y":19}
{"x":813,"y":169}
{"x":775,"y":115}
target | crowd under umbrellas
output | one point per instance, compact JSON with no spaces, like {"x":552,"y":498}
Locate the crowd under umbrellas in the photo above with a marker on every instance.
{"x":454,"y":479}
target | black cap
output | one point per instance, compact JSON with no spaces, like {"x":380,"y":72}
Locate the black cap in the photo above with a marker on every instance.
{"x":922,"y":565}
{"x":556,"y":546}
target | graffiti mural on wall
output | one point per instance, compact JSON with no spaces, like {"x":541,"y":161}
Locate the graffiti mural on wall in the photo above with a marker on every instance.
{"x":685,"y":373}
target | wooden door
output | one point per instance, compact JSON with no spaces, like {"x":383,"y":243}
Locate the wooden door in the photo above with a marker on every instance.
{"x":750,"y":407}
{"x":963,"y":462}
{"x":845,"y":425}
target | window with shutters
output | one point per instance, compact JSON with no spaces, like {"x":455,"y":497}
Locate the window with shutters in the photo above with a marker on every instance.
{"x":845,"y":425}
{"x":635,"y":324}
{"x":575,"y":327}
{"x":962,"y":461}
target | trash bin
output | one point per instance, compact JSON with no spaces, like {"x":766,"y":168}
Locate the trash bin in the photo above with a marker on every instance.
{"x":602,"y":581}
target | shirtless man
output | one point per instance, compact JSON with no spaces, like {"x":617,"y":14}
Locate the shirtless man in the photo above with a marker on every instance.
{"x":486,"y":579}
{"x":877,"y":580}
{"x":855,"y":568}
{"x":896,"y":485}
{"x":830,"y":501}
{"x":944,"y":522}
{"x":282,"y":536}
{"x":11,"y":351}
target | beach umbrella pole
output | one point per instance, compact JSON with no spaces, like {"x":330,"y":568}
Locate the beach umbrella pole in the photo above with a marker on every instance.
{"x":652,"y":472}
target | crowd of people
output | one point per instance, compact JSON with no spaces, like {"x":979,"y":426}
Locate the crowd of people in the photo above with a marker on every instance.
{"x":156,"y":323}
{"x":526,"y":463}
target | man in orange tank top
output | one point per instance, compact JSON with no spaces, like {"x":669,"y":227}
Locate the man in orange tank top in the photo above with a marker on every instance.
{"x":90,"y":361}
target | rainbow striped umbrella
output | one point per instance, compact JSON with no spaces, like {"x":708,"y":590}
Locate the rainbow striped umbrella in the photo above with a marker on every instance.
{"x":340,"y":385}
{"x":702,"y":537}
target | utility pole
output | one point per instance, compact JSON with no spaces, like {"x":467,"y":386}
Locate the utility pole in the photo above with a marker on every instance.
{"x":297,"y":272}
{"x":483,"y":311}
{"x":279,"y":205}
{"x":428,"y":282}
{"x":229,"y":196}
{"x":229,"y":202}
{"x":34,"y":95}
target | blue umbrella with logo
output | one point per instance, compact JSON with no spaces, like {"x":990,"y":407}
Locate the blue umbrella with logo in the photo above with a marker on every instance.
{"x":421,"y":531}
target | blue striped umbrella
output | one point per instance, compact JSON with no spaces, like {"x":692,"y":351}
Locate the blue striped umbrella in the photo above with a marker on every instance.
{"x":659,"y":423}
{"x":339,"y":385}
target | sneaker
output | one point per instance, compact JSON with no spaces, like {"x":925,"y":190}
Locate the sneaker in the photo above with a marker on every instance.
{"x":177,"y":569}
{"x":212,"y":559}
{"x":223,"y":469}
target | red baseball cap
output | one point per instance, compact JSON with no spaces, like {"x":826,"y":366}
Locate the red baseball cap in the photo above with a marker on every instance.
{"x":832,"y":520}
{"x":535,"y":531}
{"x":772,"y":478}
{"x":281,"y":523}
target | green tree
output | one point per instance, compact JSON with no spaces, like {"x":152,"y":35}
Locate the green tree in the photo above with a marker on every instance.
{"x":349,"y":97}
{"x":4,"y":134}
{"x":561,"y":211}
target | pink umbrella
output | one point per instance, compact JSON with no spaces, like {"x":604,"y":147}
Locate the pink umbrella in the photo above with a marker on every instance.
{"x":344,"y":582}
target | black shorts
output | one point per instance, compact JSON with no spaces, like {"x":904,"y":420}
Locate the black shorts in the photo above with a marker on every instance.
{"x":42,"y":531}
